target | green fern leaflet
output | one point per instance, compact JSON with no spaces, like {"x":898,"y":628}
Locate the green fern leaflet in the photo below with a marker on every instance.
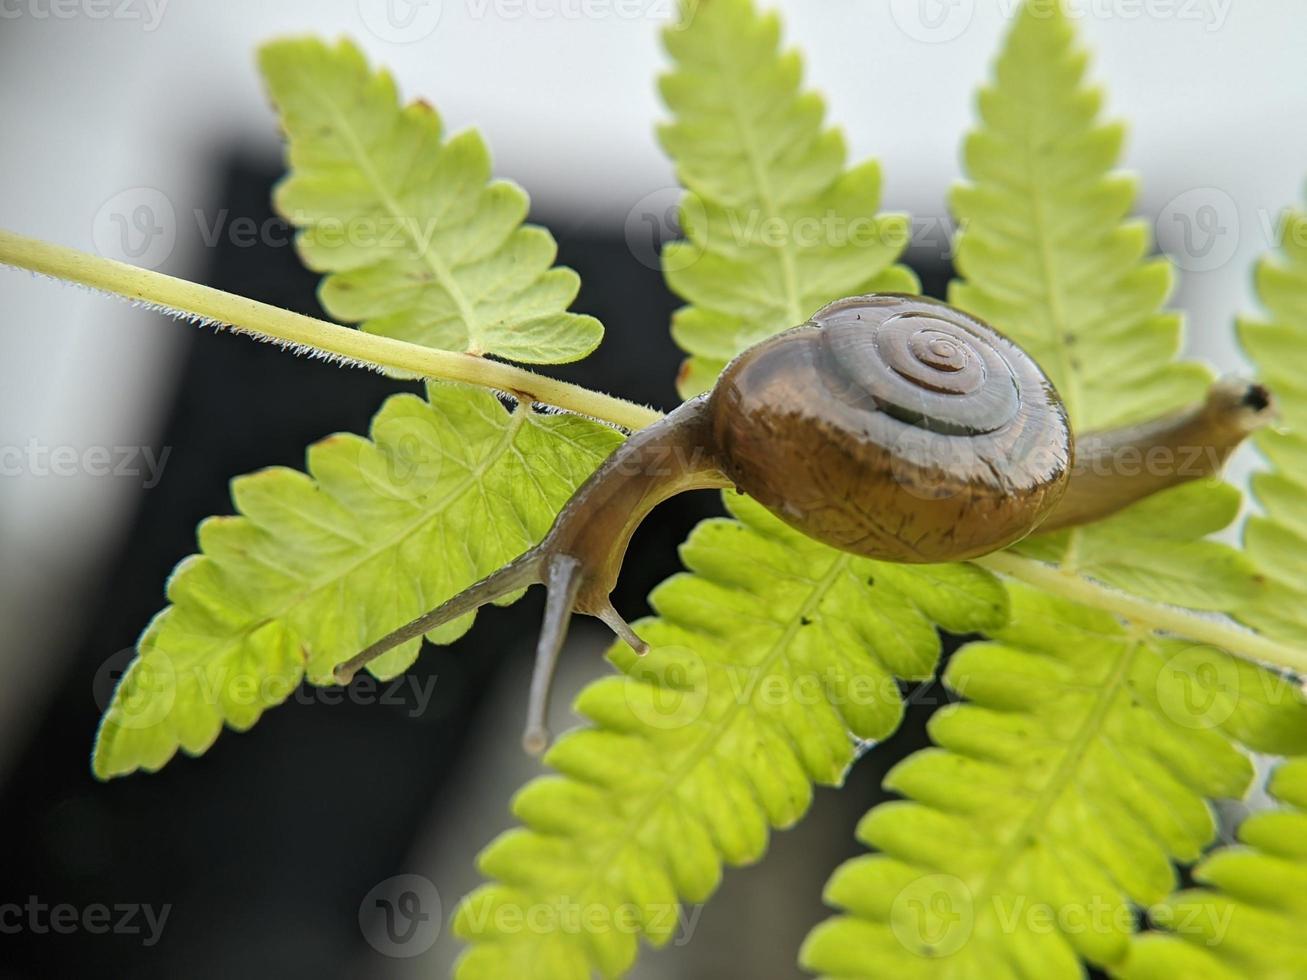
{"x":1277,"y":540}
{"x":318,"y":565}
{"x":1247,"y":922}
{"x":418,"y":242}
{"x":775,"y":226}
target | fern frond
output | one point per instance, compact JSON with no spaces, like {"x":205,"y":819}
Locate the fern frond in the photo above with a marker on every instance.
{"x":1277,"y":540}
{"x":771,"y":659}
{"x":1044,"y":248}
{"x":1048,"y":257}
{"x":318,"y":565}
{"x":775,"y":226}
{"x":417,"y":241}
{"x":1248,"y":921}
{"x":1056,"y":801}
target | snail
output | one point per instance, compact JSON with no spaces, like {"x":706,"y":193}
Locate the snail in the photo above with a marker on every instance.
{"x":890,"y":426}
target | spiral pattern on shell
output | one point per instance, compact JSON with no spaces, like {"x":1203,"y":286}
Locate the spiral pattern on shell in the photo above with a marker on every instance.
{"x":896,"y":427}
{"x":946,"y":375}
{"x":924,"y":364}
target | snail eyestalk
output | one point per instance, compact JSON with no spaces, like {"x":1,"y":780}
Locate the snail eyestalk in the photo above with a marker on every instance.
{"x":564,"y":581}
{"x":513,"y":576}
{"x":1116,"y":468}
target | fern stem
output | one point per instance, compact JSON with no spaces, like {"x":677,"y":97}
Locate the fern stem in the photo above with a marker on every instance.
{"x":276,"y":325}
{"x":1219,"y":633}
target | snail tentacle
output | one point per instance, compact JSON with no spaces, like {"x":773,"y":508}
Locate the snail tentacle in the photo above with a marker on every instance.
{"x":611,"y":618}
{"x":517,"y":574}
{"x":563,"y":582}
{"x":1115,"y":468}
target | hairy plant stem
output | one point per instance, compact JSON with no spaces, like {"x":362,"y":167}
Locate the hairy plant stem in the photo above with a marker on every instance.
{"x":307,"y":333}
{"x":1192,"y":626}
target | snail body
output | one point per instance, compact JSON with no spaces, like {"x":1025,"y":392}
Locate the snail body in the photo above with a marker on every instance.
{"x":889,"y":426}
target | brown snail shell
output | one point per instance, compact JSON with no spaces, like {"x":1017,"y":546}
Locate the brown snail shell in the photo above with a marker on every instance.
{"x":894,"y":427}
